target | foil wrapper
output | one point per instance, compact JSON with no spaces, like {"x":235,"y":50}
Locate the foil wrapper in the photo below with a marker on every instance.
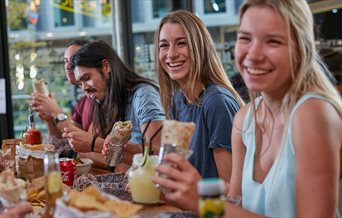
{"x":120,"y":135}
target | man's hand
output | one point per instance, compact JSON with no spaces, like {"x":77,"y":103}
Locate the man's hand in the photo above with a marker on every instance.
{"x":79,"y":140}
{"x":44,"y":104}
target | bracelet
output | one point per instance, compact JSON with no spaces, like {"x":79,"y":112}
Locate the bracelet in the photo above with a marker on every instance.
{"x":92,"y":147}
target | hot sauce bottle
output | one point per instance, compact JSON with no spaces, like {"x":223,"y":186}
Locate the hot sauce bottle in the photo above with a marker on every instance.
{"x":32,"y":135}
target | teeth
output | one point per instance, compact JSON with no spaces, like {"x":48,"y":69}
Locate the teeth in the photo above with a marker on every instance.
{"x":256,"y":71}
{"x":175,"y":64}
{"x":91,"y":94}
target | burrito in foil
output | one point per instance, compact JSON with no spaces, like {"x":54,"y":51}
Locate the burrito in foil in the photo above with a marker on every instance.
{"x":177,"y":133}
{"x":40,"y":86}
{"x":121,"y":132}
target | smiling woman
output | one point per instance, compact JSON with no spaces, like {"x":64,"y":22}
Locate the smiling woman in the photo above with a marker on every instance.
{"x":262,"y":53}
{"x":195,"y":88}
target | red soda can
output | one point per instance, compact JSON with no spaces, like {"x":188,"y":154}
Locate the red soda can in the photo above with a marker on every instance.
{"x":68,"y":169}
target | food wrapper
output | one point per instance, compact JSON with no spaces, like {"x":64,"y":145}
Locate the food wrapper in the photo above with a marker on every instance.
{"x":93,"y":203}
{"x":176,"y":137}
{"x":120,"y":134}
{"x":40,"y":86}
{"x":30,"y":160}
{"x":12,"y":190}
{"x":8,"y":149}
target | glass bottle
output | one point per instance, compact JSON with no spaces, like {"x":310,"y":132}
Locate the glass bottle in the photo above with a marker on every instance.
{"x":140,"y":180}
{"x":211,"y":203}
{"x":53,"y":182}
{"x":32,"y":135}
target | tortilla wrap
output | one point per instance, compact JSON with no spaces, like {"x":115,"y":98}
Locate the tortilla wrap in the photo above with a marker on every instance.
{"x":121,"y":132}
{"x":40,"y":86}
{"x":178,"y":133}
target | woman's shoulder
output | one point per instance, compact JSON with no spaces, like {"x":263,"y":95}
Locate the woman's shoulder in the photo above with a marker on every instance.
{"x":315,"y":118}
{"x":314,"y":108}
{"x":215,"y":95}
{"x":240,"y":115}
{"x":213,"y":92}
{"x":143,"y":88}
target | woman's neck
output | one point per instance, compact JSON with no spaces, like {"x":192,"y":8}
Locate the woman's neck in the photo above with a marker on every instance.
{"x":191,"y":96}
{"x":274,"y":105}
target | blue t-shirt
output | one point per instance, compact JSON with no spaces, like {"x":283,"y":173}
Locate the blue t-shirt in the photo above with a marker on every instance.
{"x":213,"y":117}
{"x":144,"y":105}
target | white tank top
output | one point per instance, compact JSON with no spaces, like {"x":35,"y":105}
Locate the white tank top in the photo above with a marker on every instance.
{"x":275,"y":196}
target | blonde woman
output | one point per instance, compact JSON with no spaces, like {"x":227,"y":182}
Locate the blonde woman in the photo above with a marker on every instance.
{"x":195,"y":88}
{"x":287,"y":141}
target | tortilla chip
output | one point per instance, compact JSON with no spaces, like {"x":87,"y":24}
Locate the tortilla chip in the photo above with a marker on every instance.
{"x":91,"y":190}
{"x":123,"y":209}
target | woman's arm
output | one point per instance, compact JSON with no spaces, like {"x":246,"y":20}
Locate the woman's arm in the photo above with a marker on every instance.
{"x":317,"y":140}
{"x":238,"y":151}
{"x":223,"y":161}
{"x":219,"y":111}
{"x":238,"y":154}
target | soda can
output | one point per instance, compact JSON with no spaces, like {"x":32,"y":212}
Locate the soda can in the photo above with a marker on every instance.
{"x":68,"y":169}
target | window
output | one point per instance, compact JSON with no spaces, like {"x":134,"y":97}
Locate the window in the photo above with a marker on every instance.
{"x":37,"y":44}
{"x":161,"y":8}
{"x":214,"y":6}
{"x":63,"y":13}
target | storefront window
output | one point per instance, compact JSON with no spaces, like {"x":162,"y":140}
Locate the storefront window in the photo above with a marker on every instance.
{"x":161,"y":8}
{"x":37,"y":42}
{"x":19,"y":21}
{"x":63,"y":13}
{"x":214,"y":6}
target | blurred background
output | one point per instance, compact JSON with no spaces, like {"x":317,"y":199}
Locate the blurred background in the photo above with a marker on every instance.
{"x":34,"y":34}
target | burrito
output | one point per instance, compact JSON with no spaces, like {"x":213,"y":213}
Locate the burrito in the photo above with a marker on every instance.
{"x":119,"y":135}
{"x":121,"y":132}
{"x":40,"y":86}
{"x":178,"y":133}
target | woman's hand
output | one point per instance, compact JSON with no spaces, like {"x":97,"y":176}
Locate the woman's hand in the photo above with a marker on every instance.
{"x":20,"y":210}
{"x":181,"y":179}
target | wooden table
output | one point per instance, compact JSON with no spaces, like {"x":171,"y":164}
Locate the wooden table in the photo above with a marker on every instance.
{"x":156,"y":209}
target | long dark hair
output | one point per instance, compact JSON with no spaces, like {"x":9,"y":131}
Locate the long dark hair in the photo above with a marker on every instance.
{"x":119,"y":85}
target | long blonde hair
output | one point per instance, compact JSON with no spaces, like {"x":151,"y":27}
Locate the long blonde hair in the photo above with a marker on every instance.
{"x":205,"y":65}
{"x":309,"y":73}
